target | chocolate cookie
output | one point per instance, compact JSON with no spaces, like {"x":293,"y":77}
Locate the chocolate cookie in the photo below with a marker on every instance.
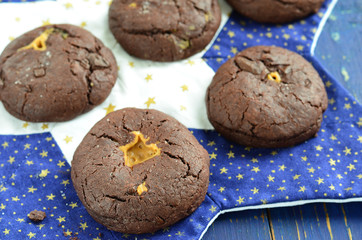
{"x":276,"y":11}
{"x":138,"y":171}
{"x":164,"y":30}
{"x":266,"y":97}
{"x":55,"y":73}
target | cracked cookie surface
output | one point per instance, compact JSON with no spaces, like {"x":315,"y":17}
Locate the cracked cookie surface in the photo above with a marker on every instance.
{"x":276,"y":11}
{"x":55,"y":73}
{"x":147,"y":196}
{"x":164,"y":30}
{"x":247,"y":105}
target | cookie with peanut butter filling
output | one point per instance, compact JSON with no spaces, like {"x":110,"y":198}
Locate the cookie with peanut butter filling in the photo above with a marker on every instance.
{"x":55,"y":73}
{"x":266,"y":97}
{"x":138,"y":171}
{"x":164,"y":30}
{"x":276,"y":11}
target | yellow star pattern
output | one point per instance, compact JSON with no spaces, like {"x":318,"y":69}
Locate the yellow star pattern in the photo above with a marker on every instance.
{"x":6,"y":231}
{"x":67,"y":233}
{"x":31,"y":235}
{"x":68,"y":139}
{"x":347,"y":151}
{"x":318,"y":148}
{"x":150,"y":101}
{"x":240,"y":200}
{"x":282,"y":167}
{"x":255,"y":169}
{"x":332,"y":187}
{"x":351,"y":167}
{"x":44,"y":154}
{"x":302,"y":189}
{"x":213,"y":209}
{"x":44,"y":126}
{"x":5,"y":145}
{"x":44,"y":173}
{"x":29,"y":162}
{"x":281,"y":189}
{"x":255,"y":190}
{"x":45,"y":22}
{"x":61,"y":163}
{"x":11,"y":160}
{"x":320,"y":180}
{"x":83,"y":225}
{"x":333,"y":137}
{"x":231,"y":155}
{"x":347,"y":106}
{"x":40,"y":226}
{"x":15,"y":199}
{"x":213,"y":156}
{"x":65,"y":182}
{"x":211,"y":143}
{"x":296,"y":176}
{"x":50,"y":197}
{"x":240,"y":176}
{"x":32,"y":189}
{"x":73,"y":205}
{"x":223,"y":170}
{"x":270,"y":178}
{"x":311,"y":170}
{"x":328,"y":83}
{"x":61,"y":219}
{"x":68,"y":5}
{"x":190,"y":62}
{"x":359,"y":123}
{"x":148,"y":77}
{"x":109,"y":109}
{"x":332,"y":162}
{"x":20,"y":220}
{"x":231,"y":34}
{"x":27,"y":146}
{"x":184,"y":88}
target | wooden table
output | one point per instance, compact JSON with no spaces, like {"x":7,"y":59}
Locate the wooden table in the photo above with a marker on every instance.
{"x":340,"y":51}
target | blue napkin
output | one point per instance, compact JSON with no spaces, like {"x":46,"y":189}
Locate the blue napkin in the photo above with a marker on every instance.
{"x":34,"y":174}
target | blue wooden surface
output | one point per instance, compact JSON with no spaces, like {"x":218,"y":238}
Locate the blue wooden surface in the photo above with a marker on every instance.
{"x":340,"y":50}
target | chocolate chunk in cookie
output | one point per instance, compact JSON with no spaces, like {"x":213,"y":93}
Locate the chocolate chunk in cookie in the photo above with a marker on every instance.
{"x":167,"y":30}
{"x":276,"y":11}
{"x":138,"y":171}
{"x":55,"y":73}
{"x":266,"y":97}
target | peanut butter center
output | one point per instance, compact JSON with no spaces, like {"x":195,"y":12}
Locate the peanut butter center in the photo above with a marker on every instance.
{"x":274,"y":76}
{"x":138,"y":151}
{"x":39,"y":43}
{"x":142,"y":188}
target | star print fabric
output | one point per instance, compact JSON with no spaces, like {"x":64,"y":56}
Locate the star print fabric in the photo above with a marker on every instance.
{"x":35,"y":168}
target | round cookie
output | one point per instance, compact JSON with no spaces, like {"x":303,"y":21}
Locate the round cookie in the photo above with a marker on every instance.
{"x":266,"y":97}
{"x":138,"y":171}
{"x":55,"y":73}
{"x":276,"y":11}
{"x":164,"y":30}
